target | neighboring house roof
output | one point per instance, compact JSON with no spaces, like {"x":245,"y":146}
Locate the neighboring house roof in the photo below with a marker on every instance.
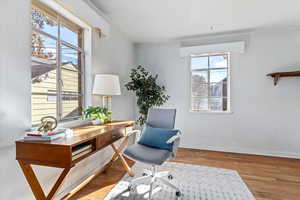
{"x":40,"y":66}
{"x":72,"y":113}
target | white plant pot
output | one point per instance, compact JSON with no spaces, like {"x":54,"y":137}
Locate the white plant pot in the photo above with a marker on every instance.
{"x":97,"y":122}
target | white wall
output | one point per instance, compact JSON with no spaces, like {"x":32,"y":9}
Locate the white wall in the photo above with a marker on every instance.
{"x":265,"y":118}
{"x":114,"y":54}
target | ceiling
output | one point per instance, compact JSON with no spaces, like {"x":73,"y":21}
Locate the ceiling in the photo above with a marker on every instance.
{"x":160,"y":20}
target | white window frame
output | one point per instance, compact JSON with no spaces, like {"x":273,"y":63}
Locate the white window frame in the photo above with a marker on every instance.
{"x":87,"y":60}
{"x":229,"y":101}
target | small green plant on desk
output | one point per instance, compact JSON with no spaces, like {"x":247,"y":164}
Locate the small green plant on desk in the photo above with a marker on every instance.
{"x":99,"y":115}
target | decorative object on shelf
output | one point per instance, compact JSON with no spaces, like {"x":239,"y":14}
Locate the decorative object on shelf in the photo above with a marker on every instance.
{"x":148,"y":92}
{"x":99,"y":115}
{"x":48,"y":123}
{"x":107,"y":85}
{"x":277,"y":75}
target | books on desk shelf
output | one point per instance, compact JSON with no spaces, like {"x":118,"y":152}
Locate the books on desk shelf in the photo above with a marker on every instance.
{"x":81,"y":154}
{"x":81,"y":150}
{"x":45,"y":136}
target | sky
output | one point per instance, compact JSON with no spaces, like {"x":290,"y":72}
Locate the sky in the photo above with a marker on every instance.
{"x":66,"y":35}
{"x":215,"y":62}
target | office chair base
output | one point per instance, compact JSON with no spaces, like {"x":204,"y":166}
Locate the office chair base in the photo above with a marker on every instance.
{"x":155,"y":176}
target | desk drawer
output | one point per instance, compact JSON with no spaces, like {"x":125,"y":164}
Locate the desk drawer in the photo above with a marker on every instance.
{"x":108,"y":138}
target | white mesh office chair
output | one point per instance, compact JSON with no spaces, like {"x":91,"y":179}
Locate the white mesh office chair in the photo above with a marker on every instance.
{"x":159,"y":118}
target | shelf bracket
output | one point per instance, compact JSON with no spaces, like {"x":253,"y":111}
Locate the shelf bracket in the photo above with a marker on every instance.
{"x":276,"y":79}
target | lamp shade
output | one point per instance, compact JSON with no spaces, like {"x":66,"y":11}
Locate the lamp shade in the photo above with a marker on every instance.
{"x":106,"y":84}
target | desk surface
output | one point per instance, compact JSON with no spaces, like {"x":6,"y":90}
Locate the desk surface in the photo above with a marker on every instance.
{"x":83,"y":133}
{"x":59,"y":151}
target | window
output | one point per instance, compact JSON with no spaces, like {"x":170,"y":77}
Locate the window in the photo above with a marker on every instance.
{"x":57,"y":65}
{"x":210,"y":83}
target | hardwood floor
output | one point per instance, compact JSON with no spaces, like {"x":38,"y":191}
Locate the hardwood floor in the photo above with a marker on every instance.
{"x":268,"y":178}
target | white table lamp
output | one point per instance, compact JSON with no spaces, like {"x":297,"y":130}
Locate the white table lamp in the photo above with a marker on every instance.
{"x":106,"y":85}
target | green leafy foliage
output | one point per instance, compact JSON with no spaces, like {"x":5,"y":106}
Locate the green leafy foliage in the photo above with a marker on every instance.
{"x":39,"y":19}
{"x":97,"y":113}
{"x":148,"y":92}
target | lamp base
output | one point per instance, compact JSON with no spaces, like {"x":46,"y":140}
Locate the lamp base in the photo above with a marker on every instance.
{"x":106,"y":101}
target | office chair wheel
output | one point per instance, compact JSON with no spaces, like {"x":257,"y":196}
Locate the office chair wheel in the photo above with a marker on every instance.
{"x":170,"y":177}
{"x":178,"y":193}
{"x":131,"y":188}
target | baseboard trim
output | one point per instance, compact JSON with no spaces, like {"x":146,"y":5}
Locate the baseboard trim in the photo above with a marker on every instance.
{"x":245,"y":151}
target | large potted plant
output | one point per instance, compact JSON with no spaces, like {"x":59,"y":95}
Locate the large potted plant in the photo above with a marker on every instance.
{"x":97,"y":114}
{"x":148,"y":92}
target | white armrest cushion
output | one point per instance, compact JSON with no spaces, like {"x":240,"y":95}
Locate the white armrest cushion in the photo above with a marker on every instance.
{"x":172,"y":139}
{"x":175,"y":137}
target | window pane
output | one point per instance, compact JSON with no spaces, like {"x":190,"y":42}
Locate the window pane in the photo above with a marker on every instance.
{"x":218,"y":75}
{"x":68,"y":35}
{"x":43,"y":47}
{"x":71,"y":56}
{"x":71,"y":79}
{"x":199,"y":103}
{"x":218,"y":104}
{"x":210,"y":83}
{"x":43,"y":64}
{"x":200,"y":77}
{"x":42,"y":106}
{"x":199,"y":84}
{"x":199,"y":63}
{"x":218,"y":61}
{"x":41,"y":21}
{"x":200,"y":90}
{"x":70,"y":70}
{"x":43,"y":76}
{"x":71,"y":105}
{"x":71,"y":88}
{"x":218,"y":89}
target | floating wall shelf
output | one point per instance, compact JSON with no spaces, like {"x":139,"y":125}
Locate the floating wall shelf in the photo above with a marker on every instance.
{"x":277,"y":75}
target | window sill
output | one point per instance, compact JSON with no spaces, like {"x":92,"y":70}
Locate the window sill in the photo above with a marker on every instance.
{"x":212,"y":112}
{"x":68,"y":123}
{"x":72,"y":123}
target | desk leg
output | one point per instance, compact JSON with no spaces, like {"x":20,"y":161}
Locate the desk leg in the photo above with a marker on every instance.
{"x":121,"y":147}
{"x":32,"y":180}
{"x":35,"y":185}
{"x":118,"y":154}
{"x":58,"y":183}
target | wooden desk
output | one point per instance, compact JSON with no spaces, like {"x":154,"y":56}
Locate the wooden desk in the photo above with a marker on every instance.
{"x":58,"y":153}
